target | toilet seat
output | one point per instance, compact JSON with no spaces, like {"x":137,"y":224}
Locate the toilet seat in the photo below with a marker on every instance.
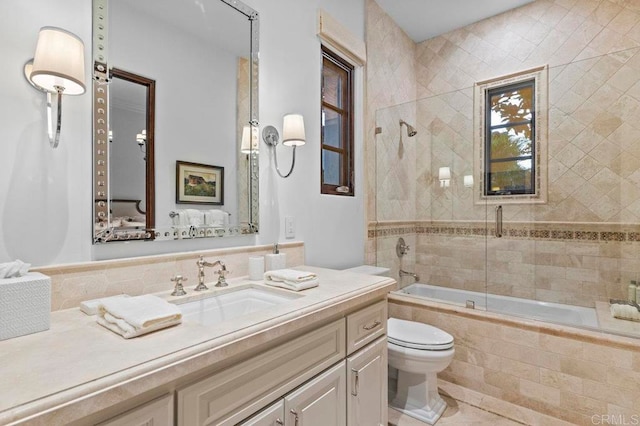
{"x":415,"y":335}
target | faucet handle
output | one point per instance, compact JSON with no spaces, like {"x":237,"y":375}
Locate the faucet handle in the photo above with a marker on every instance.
{"x":222,"y":274}
{"x":179,"y":289}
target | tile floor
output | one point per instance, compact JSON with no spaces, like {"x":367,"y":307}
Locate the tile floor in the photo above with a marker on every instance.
{"x":457,"y":413}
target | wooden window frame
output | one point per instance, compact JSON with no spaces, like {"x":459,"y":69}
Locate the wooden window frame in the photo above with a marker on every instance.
{"x":330,"y":59}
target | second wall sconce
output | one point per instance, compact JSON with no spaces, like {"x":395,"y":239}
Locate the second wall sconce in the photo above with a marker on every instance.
{"x":444,"y":175}
{"x":292,"y":135}
{"x":250,"y":140}
{"x":57,"y":68}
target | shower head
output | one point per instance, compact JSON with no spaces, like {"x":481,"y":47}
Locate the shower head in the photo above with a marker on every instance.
{"x":411,"y":131}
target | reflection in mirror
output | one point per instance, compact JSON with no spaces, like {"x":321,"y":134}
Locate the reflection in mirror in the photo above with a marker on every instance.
{"x":202,"y":56}
{"x":131,"y":146}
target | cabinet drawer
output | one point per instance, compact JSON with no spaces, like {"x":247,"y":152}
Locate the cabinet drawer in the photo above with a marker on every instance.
{"x":366,"y":325}
{"x":233,"y":394}
{"x":158,"y":412}
{"x":273,"y":415}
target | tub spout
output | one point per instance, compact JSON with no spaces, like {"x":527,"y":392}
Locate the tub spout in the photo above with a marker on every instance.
{"x":404,"y":273}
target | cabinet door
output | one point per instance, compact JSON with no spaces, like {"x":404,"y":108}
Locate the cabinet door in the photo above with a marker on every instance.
{"x":367,"y":385}
{"x":273,"y":415}
{"x":320,"y":402}
{"x":158,"y":412}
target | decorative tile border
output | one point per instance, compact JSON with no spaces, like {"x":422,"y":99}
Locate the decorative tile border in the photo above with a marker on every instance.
{"x":596,"y":232}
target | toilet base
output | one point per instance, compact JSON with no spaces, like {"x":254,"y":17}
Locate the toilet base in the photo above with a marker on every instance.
{"x":418,"y":397}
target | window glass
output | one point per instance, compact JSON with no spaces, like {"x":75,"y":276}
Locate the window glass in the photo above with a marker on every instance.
{"x":509,"y":137}
{"x":337,"y":125}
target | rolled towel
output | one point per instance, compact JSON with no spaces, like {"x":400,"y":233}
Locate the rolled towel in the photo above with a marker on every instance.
{"x":216,"y":217}
{"x":14,"y":269}
{"x":291,"y":279}
{"x":195,"y":217}
{"x":625,"y":311}
{"x":135,"y":316}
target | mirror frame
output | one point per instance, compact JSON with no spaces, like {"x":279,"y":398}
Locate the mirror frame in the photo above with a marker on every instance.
{"x":101,"y":78}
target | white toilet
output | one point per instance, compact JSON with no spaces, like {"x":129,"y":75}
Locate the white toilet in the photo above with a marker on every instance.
{"x":419,"y":351}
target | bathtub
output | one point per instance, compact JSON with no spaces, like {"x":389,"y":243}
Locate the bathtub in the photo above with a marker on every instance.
{"x":544,"y":311}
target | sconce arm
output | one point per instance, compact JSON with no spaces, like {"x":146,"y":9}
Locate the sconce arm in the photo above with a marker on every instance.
{"x":293,"y":162}
{"x":54,"y":138}
{"x":270,"y":136}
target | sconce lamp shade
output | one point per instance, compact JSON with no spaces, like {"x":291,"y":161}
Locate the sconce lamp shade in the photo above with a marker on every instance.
{"x":293,"y":130}
{"x":444,"y":173}
{"x":249,"y":140}
{"x":468,"y":181}
{"x":141,"y":138}
{"x":59,"y":61}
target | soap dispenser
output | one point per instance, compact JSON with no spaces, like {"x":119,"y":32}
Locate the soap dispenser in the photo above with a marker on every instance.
{"x":275,"y":260}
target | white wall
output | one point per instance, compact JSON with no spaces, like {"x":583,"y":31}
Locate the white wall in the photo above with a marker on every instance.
{"x":332,"y":227}
{"x":45,"y":195}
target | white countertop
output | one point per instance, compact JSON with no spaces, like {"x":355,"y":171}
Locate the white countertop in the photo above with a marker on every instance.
{"x":80,"y":364}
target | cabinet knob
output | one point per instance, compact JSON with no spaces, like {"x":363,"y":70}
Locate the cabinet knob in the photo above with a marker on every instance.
{"x":279,"y":421}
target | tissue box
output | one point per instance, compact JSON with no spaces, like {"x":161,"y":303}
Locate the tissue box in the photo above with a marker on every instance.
{"x":25,"y":305}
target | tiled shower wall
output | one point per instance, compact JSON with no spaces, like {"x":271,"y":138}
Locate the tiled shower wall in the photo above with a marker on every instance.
{"x":579,"y":247}
{"x":576,"y":264}
{"x":390,"y":80}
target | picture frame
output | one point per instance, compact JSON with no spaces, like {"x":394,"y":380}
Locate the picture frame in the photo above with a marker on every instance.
{"x":199,"y":183}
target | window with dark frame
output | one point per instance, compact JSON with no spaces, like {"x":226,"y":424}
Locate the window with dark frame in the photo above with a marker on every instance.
{"x":509,"y":139}
{"x":337,"y":126}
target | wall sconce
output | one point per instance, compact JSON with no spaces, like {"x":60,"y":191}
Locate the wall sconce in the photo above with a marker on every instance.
{"x":292,"y":135}
{"x":444,"y":174}
{"x":57,"y":67}
{"x":250,"y":140}
{"x":468,"y":181}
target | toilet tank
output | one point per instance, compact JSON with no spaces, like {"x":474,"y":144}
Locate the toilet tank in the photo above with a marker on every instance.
{"x":370,"y":270}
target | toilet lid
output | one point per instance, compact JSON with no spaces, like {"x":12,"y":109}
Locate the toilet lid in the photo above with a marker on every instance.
{"x":416,"y":335}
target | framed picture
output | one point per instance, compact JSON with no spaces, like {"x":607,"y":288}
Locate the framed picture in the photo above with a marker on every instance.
{"x":199,"y":183}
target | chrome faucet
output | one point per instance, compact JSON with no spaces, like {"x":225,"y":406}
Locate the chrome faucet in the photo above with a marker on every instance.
{"x":222,"y":273}
{"x":404,"y":273}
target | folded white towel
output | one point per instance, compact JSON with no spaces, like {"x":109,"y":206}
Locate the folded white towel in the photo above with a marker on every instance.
{"x":14,"y":269}
{"x":92,"y":306}
{"x":195,"y":217}
{"x":627,"y":312}
{"x":216,"y":217}
{"x":291,"y":279}
{"x":134,"y":316}
{"x":295,"y":286}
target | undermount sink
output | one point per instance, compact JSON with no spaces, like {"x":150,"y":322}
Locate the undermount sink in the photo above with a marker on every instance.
{"x":233,"y":303}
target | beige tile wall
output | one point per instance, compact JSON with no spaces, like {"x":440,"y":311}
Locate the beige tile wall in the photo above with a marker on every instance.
{"x":545,"y":263}
{"x":568,"y":374}
{"x":71,"y":284}
{"x":390,"y":80}
{"x":593,"y":50}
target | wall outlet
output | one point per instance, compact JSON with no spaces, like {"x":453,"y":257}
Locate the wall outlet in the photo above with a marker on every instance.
{"x":289,"y":227}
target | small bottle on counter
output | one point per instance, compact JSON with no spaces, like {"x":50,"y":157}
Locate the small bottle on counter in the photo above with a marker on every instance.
{"x":632,"y":290}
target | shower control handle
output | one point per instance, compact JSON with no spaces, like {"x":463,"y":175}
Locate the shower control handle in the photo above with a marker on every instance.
{"x":401,"y":247}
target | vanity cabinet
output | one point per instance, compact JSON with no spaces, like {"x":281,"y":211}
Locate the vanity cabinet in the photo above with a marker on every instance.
{"x":332,"y":375}
{"x":367,"y":385}
{"x":319,"y":402}
{"x":233,"y":394}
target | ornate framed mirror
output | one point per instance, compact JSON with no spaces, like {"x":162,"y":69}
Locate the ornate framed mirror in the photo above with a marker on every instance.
{"x":174,"y":82}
